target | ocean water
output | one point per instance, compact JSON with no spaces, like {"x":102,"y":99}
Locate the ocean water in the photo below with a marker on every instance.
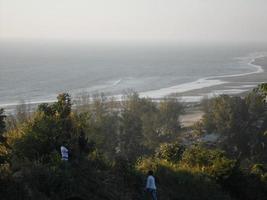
{"x":37,"y":72}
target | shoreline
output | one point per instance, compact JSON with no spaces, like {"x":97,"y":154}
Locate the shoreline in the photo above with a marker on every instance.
{"x":195,"y":91}
{"x":203,"y":82}
{"x":238,"y":84}
{"x":194,"y":112}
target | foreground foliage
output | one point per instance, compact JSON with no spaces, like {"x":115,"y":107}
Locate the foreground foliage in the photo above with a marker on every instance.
{"x":113,"y":144}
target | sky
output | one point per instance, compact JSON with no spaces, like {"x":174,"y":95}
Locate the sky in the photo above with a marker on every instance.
{"x":135,"y":20}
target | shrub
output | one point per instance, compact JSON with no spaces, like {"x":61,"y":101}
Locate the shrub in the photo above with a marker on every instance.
{"x":172,"y":152}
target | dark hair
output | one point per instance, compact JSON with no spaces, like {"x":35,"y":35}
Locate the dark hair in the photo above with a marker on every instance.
{"x":150,"y":173}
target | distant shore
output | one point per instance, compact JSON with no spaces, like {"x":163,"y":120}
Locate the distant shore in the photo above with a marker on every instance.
{"x":236,"y":85}
{"x":248,"y":82}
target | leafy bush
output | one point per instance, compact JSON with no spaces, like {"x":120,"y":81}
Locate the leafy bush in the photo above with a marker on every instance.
{"x":172,"y":152}
{"x":176,"y":182}
{"x":212,"y":162}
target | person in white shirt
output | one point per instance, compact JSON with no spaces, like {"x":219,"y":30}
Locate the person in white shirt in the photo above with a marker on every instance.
{"x":64,"y":153}
{"x":151,"y":185}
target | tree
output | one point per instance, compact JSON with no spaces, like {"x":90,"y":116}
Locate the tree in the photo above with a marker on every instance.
{"x":130,"y":136}
{"x":256,"y":110}
{"x":212,"y":162}
{"x":225,"y":115}
{"x":100,"y":121}
{"x":63,"y":105}
{"x":170,"y":111}
{"x":51,"y":127}
{"x":240,"y":121}
{"x":262,"y":91}
{"x":3,"y":148}
{"x":171,"y":152}
{"x":22,"y":112}
{"x":2,"y":121}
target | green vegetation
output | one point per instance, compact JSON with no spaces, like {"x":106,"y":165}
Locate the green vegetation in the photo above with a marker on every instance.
{"x":113,"y":144}
{"x":241,"y":122}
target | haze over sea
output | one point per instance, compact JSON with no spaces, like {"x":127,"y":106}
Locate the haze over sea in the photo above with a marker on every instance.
{"x":37,"y":72}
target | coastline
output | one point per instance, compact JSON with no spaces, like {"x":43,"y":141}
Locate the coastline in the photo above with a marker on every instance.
{"x":238,"y":84}
{"x":248,"y":82}
{"x":211,"y":86}
{"x":245,"y":83}
{"x":194,"y":92}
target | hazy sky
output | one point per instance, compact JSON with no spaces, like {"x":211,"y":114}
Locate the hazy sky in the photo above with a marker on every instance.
{"x":180,"y":20}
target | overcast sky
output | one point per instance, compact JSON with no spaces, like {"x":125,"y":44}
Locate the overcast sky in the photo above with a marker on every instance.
{"x":179,"y":20}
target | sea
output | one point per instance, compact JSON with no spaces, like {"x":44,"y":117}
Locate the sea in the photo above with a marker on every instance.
{"x":35,"y":72}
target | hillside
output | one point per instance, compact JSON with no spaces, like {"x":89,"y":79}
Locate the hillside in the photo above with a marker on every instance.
{"x":112,"y":145}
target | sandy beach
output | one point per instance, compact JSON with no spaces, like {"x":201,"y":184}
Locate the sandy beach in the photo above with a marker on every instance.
{"x":244,"y":84}
{"x":237,"y":85}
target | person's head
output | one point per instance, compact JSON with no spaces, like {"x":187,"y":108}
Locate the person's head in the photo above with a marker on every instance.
{"x":150,"y":173}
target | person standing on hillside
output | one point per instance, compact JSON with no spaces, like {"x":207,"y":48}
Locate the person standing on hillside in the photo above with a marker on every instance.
{"x":151,"y":185}
{"x":64,"y":153}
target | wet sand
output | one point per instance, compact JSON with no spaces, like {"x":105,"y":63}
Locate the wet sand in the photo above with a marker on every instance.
{"x":238,"y":85}
{"x":247,"y":83}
